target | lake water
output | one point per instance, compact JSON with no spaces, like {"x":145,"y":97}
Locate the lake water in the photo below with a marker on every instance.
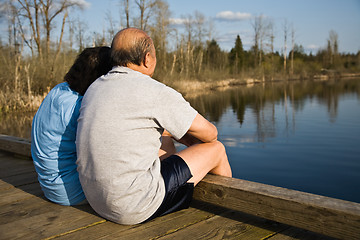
{"x":299,"y":135}
{"x":303,"y":136}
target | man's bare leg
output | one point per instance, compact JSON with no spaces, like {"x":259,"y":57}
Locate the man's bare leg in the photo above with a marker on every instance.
{"x":201,"y":158}
{"x":204,"y":158}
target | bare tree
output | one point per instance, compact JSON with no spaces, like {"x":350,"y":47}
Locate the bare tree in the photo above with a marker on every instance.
{"x":189,"y":32}
{"x":111,"y":27}
{"x":257,"y":26}
{"x":30,"y":11}
{"x":146,"y":8}
{"x":261,"y":28}
{"x":333,"y":45}
{"x":58,"y":48}
{"x":200,"y":33}
{"x":292,"y":49}
{"x":286,"y":29}
{"x":81,"y":34}
{"x":272,"y":37}
{"x":200,"y":29}
{"x":127,"y":12}
{"x":265,"y":37}
{"x":189,"y":27}
{"x":41,"y":16}
{"x":211,"y":30}
{"x":71,"y":31}
{"x":160,"y":30}
{"x":175,"y":52}
{"x":13,"y":60}
{"x":263,"y":34}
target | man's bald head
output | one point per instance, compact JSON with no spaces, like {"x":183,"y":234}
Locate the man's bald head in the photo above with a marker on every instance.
{"x":130,"y":46}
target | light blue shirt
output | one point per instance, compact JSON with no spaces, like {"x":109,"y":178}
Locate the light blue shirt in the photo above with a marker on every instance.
{"x":53,"y":146}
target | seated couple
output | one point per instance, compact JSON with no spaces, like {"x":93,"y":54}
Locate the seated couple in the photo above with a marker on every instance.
{"x":124,"y":127}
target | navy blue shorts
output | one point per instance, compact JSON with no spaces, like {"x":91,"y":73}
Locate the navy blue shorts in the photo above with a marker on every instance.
{"x":178,"y":192}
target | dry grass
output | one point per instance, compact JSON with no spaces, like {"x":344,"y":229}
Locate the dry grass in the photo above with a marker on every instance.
{"x":10,"y":101}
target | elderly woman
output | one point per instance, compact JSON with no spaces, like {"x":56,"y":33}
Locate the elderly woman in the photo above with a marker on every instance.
{"x":54,"y":128}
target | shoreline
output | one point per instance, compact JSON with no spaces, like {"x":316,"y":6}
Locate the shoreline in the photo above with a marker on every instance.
{"x":193,"y":88}
{"x":188,"y":88}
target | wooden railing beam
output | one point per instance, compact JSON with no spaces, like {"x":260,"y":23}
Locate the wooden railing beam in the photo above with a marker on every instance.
{"x":15,"y":145}
{"x":324,"y":215}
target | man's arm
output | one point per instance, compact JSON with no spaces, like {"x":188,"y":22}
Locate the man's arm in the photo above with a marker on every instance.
{"x":202,"y":129}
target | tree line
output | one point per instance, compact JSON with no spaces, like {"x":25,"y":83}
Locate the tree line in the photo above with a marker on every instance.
{"x":43,"y":39}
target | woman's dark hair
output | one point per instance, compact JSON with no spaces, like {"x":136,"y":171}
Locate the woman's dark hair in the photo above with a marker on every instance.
{"x":134,"y":54}
{"x":88,"y":66}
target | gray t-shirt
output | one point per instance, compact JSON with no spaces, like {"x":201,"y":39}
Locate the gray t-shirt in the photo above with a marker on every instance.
{"x":122,"y":117}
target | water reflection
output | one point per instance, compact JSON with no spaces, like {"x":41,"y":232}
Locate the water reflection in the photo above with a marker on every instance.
{"x":16,"y":124}
{"x":261,"y":101}
{"x":297,"y":135}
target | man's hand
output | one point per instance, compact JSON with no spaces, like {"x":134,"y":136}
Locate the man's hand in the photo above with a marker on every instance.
{"x":187,"y":139}
{"x":166,"y":134}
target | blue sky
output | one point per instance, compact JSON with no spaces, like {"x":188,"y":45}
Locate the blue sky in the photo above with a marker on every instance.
{"x":312,"y":20}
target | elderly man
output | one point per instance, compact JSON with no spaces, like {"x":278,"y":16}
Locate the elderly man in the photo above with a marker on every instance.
{"x":127,"y":163}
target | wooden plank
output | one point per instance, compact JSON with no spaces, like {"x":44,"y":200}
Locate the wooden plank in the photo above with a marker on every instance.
{"x":61,"y":219}
{"x":31,"y":206}
{"x":21,"y":169}
{"x":16,"y":172}
{"x":15,"y":145}
{"x":12,"y":194}
{"x":18,"y":180}
{"x":229,"y":225}
{"x":297,"y":233}
{"x":152,"y":229}
{"x":11,"y":166}
{"x":24,"y":214}
{"x":328,"y":216}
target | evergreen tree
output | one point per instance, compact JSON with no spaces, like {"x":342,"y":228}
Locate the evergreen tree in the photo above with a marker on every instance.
{"x":236,"y":56}
{"x":213,"y":55}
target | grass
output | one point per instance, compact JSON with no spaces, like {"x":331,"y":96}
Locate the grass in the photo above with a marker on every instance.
{"x":10,"y":101}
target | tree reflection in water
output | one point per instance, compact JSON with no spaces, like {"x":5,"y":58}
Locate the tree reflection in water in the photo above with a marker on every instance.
{"x":16,"y":124}
{"x":261,"y":100}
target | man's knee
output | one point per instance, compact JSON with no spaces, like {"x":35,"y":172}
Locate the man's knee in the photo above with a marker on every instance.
{"x":219,"y":148}
{"x":222,"y":164}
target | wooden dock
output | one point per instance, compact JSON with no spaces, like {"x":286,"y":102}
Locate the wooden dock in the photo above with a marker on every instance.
{"x":223,"y":208}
